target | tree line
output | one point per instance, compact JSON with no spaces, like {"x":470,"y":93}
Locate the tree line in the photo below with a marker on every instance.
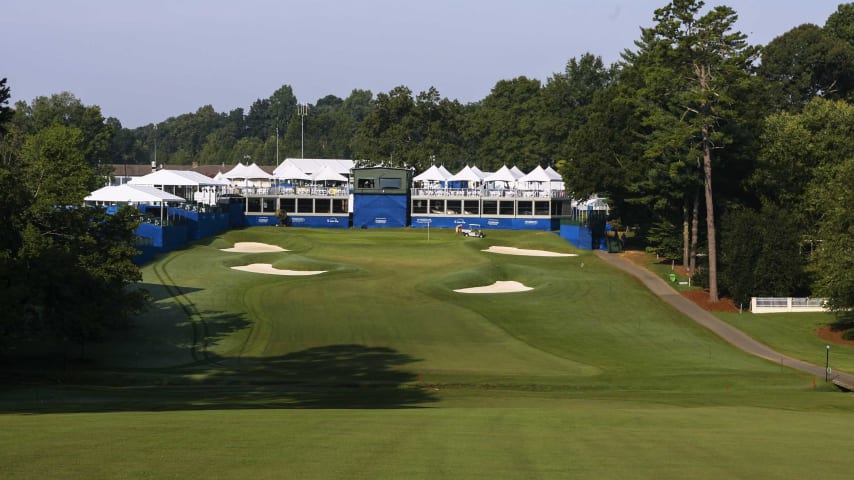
{"x":734,"y":158}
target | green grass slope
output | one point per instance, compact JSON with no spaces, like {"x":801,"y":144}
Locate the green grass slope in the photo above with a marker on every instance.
{"x":378,"y":369}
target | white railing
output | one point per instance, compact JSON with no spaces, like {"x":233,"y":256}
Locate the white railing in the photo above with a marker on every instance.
{"x":786,"y":304}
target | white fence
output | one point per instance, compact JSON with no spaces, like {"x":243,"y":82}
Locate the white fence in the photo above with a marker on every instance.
{"x":782,"y":304}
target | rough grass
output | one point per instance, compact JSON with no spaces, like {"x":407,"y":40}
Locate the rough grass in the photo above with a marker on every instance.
{"x":377,"y":369}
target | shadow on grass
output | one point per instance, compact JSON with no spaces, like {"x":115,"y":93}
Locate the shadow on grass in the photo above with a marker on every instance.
{"x":160,"y":292}
{"x":334,"y":376}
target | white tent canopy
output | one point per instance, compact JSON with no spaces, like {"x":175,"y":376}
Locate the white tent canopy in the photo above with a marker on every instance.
{"x":466,"y":175}
{"x":537,"y":175}
{"x":327,"y":174}
{"x":175,"y":178}
{"x":239,"y":171}
{"x":254,"y":172}
{"x":288,"y":171}
{"x":431,"y":175}
{"x":132,"y":194}
{"x":553,"y":174}
{"x":503,"y":174}
{"x":480,"y":173}
{"x":312,"y":166}
{"x":516,"y":172}
{"x":444,"y":171}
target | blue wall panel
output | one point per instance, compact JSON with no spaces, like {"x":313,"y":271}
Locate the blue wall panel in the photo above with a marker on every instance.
{"x":532,"y":224}
{"x":380,"y":211}
{"x":577,"y":235}
{"x":318,"y":221}
{"x":442,"y":222}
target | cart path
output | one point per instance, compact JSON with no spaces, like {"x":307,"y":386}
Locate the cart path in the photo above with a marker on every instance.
{"x":724,"y":330}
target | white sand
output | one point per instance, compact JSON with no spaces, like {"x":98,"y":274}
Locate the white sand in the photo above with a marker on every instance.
{"x":253,"y":247}
{"x":269,"y":270}
{"x":530,"y":253}
{"x":497,"y":287}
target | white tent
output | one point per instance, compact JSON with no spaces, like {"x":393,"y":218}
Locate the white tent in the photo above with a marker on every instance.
{"x":137,"y":194}
{"x":444,"y":171}
{"x":480,"y":173}
{"x":326,"y":174}
{"x":553,"y":174}
{"x":175,"y":178}
{"x":503,"y":174}
{"x":288,"y":171}
{"x":536,"y":179}
{"x":557,"y":179}
{"x":312,"y":166}
{"x":466,"y":175}
{"x":537,"y":175}
{"x":239,"y":171}
{"x":254,"y":172}
{"x":431,"y":175}
{"x":516,"y":172}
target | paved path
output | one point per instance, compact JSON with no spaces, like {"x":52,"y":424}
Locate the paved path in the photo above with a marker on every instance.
{"x":726,"y":331}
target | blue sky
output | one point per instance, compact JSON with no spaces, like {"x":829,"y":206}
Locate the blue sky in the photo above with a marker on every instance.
{"x":144,"y":61}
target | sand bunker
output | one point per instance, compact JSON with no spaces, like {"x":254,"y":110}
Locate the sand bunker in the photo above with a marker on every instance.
{"x":268,"y":269}
{"x":530,"y":253}
{"x":497,"y":287}
{"x":253,"y":247}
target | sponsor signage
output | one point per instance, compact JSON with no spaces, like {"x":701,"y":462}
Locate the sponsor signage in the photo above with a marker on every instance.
{"x":424,"y":220}
{"x":297,"y":220}
{"x":493,"y":222}
{"x":380,"y":221}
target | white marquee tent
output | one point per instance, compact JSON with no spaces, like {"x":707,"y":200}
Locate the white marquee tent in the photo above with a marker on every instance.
{"x":133,"y":194}
{"x":502,"y":175}
{"x":289,"y":171}
{"x":431,"y":175}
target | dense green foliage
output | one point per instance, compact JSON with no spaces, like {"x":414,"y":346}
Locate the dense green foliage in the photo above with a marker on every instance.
{"x":64,"y":268}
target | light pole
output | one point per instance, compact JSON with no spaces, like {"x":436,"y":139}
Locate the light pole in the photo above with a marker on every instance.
{"x":302,"y":111}
{"x":827,"y":363}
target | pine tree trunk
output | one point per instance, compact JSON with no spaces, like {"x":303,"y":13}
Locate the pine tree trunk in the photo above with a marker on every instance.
{"x":686,"y":241}
{"x":695,"y":233}
{"x":710,"y":216}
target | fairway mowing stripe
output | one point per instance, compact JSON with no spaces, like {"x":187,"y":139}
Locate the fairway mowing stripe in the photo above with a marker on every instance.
{"x":188,"y":307}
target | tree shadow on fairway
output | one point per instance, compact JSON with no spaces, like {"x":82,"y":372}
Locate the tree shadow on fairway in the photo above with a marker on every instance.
{"x":159,"y":292}
{"x":334,"y":376}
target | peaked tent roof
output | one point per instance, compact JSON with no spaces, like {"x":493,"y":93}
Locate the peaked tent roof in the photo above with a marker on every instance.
{"x":445,"y":172}
{"x":254,"y":171}
{"x":432,"y":174}
{"x":516,"y":172}
{"x":480,"y":173}
{"x":311,"y":166}
{"x":183,"y":178}
{"x":503,"y":174}
{"x":553,"y":174}
{"x":289,"y":171}
{"x":536,"y":175}
{"x":239,"y":171}
{"x":466,"y":175}
{"x":132,"y":194}
{"x":326,"y":173}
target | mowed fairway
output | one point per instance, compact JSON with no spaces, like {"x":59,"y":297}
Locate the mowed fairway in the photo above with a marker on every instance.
{"x":378,"y":369}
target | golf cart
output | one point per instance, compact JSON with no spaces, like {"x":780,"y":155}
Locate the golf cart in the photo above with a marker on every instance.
{"x":473,"y":230}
